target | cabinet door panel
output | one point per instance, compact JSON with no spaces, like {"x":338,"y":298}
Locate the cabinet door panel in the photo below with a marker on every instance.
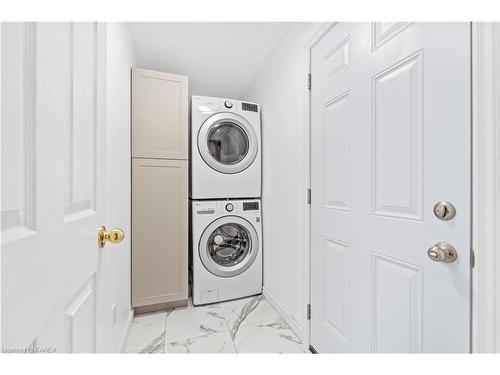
{"x":159,"y":231}
{"x":159,"y":115}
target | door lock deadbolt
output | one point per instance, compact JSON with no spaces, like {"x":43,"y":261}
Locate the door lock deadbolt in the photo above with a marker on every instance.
{"x":444,"y":211}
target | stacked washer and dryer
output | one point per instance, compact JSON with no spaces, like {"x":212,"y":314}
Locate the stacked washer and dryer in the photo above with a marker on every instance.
{"x":225,"y":191}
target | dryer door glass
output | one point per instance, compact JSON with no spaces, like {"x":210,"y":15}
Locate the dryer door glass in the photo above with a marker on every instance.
{"x":229,"y":244}
{"x":228,"y":143}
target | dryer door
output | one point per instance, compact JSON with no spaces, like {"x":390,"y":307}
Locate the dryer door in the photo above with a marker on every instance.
{"x":228,"y":246}
{"x":227,"y":142}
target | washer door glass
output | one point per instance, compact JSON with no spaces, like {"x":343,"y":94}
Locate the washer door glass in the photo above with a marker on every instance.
{"x":229,"y":244}
{"x":227,"y":143}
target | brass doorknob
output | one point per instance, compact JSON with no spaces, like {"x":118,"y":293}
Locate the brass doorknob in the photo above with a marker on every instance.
{"x":114,"y":236}
{"x":442,"y":252}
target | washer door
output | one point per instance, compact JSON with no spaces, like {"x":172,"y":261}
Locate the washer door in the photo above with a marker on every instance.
{"x":228,"y":246}
{"x":227,"y":142}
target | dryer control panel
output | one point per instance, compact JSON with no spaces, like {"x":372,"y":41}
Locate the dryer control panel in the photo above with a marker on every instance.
{"x":210,"y":104}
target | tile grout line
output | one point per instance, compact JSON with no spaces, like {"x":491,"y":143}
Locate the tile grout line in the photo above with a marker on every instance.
{"x":241,"y":323}
{"x":167,"y":313}
{"x":165,"y":333}
{"x":205,"y":335}
{"x":226,"y":324}
{"x":228,"y":330}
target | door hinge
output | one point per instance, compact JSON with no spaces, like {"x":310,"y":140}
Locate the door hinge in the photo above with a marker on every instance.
{"x":472,"y":258}
{"x":309,"y":81}
{"x":308,"y":196}
{"x":309,"y":311}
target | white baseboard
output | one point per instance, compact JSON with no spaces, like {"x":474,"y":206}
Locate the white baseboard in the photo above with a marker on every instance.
{"x":123,"y":340}
{"x":288,"y":319}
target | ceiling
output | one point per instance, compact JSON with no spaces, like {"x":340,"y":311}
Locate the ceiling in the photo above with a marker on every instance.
{"x":221,"y":59}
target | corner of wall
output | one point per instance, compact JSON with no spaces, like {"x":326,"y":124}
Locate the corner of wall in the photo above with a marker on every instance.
{"x":275,"y":88}
{"x":130,"y":37}
{"x":292,"y":323}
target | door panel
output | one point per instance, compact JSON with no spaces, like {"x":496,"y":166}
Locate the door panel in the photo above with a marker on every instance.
{"x":81,"y":320}
{"x":18,"y":110}
{"x":337,"y":145}
{"x":384,"y":31}
{"x":397,"y":166}
{"x":390,"y":138}
{"x":336,"y":272}
{"x":82,"y":111}
{"x":397,"y":305}
{"x":53,"y":135}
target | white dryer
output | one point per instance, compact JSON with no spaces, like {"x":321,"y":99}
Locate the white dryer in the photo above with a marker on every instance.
{"x":226,"y":245}
{"x":225,"y":149}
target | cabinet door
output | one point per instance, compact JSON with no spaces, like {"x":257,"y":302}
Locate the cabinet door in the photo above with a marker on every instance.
{"x":159,"y":115}
{"x":159,"y":231}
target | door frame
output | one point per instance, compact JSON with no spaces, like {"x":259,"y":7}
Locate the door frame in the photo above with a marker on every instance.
{"x":322,"y":30}
{"x":485,"y":168}
{"x":485,"y":328}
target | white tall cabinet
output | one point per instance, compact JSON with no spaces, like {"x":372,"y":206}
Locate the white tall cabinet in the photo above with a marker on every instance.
{"x":159,"y":190}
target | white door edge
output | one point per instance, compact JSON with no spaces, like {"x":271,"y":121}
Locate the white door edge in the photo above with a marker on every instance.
{"x":323,"y":29}
{"x":485,"y":186}
{"x":0,"y":188}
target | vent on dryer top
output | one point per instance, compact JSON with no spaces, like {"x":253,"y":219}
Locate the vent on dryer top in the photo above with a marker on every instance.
{"x":249,"y":107}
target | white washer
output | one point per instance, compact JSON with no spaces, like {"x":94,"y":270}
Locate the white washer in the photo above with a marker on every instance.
{"x":225,"y":148}
{"x":226,"y":245}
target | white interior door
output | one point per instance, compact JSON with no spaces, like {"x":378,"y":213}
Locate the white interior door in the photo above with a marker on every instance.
{"x":390,"y":138}
{"x":114,"y":311}
{"x":53,"y":183}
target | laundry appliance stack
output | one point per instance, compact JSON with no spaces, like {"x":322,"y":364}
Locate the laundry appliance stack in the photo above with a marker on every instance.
{"x":225,"y":191}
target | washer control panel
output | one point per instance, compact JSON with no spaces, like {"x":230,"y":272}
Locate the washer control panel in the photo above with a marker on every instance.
{"x":226,"y":207}
{"x":204,"y":208}
{"x":251,"y":206}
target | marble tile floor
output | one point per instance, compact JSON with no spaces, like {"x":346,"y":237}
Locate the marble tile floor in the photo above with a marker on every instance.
{"x":248,"y":325}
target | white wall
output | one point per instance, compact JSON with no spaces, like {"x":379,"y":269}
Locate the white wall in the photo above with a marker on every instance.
{"x":114,"y":285}
{"x":220,"y":58}
{"x":281,"y":89}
